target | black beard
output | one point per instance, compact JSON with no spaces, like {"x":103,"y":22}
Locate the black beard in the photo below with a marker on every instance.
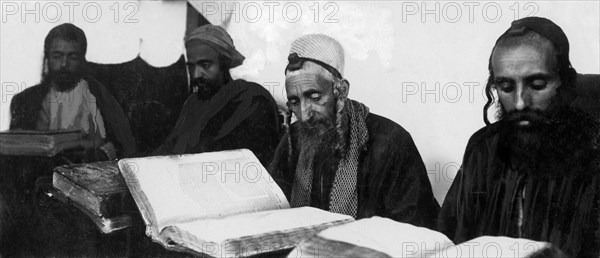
{"x":205,"y":88}
{"x":64,"y":80}
{"x":543,"y":147}
{"x":316,"y":140}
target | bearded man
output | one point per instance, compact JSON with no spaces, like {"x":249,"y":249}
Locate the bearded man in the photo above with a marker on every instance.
{"x":223,"y":113}
{"x":340,"y":157}
{"x":68,"y":98}
{"x":536,"y":172}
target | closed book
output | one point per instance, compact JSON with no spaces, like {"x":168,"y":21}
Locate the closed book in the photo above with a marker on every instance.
{"x":40,"y":143}
{"x":106,"y":225}
{"x":97,"y":187}
{"x":219,"y":204}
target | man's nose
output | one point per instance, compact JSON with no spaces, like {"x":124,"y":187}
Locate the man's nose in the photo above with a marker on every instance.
{"x":521,"y":98}
{"x":64,"y":62}
{"x":307,"y":111}
{"x":197,"y":73}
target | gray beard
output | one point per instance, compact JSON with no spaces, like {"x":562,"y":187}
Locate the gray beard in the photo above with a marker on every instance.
{"x":316,"y":144}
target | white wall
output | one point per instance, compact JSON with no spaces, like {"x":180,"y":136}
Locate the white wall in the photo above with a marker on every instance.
{"x":117,"y":32}
{"x":396,"y":53}
{"x":428,"y":75}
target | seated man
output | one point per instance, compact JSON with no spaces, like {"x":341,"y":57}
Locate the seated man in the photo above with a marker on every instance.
{"x":67,"y":98}
{"x":535,"y":173}
{"x":223,"y":113}
{"x":340,"y":157}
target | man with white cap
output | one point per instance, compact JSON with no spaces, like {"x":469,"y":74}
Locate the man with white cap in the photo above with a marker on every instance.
{"x":340,"y":157}
{"x":223,"y":113}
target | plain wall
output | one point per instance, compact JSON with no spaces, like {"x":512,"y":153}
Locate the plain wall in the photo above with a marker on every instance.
{"x":423,"y":64}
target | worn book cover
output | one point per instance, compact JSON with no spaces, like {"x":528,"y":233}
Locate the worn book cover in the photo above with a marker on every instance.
{"x":106,"y":225}
{"x":97,"y":187}
{"x":218,"y":204}
{"x":40,"y":143}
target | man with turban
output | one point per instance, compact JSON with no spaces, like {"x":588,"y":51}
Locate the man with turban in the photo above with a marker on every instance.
{"x":222,"y":113}
{"x":340,"y":157}
{"x":535,"y":173}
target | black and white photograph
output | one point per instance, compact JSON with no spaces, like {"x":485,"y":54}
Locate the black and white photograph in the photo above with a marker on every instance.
{"x":198,"y":128}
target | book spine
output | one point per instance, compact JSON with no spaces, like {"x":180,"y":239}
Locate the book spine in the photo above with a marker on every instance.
{"x":77,"y":193}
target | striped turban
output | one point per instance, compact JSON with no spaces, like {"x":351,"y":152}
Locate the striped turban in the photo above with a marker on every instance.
{"x":218,"y":39}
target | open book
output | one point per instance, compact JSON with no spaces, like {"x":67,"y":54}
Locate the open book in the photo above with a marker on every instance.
{"x":382,"y":237}
{"x":219,"y":204}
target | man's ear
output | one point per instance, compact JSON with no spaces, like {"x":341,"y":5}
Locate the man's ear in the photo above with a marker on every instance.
{"x":346,"y":86}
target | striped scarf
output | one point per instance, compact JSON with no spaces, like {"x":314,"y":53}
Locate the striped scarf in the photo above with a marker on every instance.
{"x":344,"y":194}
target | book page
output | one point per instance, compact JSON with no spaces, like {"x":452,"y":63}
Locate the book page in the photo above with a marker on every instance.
{"x":494,"y":246}
{"x":218,"y":230}
{"x":393,"y":238}
{"x":184,"y":188}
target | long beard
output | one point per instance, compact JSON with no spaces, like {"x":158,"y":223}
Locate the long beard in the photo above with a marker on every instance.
{"x":316,"y":140}
{"x":205,"y":88}
{"x":63,"y":79}
{"x":543,"y":145}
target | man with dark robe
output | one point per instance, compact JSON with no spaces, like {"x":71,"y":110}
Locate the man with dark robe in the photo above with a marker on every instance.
{"x":222,"y":113}
{"x":66,"y":99}
{"x":535,"y":173}
{"x":340,"y":157}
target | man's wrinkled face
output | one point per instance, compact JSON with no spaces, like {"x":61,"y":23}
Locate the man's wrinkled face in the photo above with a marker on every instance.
{"x":310,"y":98}
{"x":204,"y":68}
{"x":65,"y":61}
{"x":313,"y":102}
{"x":526,"y":83}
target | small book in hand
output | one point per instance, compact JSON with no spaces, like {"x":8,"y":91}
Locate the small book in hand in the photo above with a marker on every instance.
{"x":40,"y":143}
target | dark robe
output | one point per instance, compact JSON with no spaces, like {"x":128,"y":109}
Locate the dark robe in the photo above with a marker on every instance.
{"x":558,"y":203}
{"x":39,"y":225}
{"x":241,"y":115}
{"x":392,"y":179}
{"x":25,"y":110}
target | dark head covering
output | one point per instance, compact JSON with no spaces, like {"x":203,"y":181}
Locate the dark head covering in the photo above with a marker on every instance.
{"x":549,"y":30}
{"x":217,"y":38}
{"x":545,"y":28}
{"x":69,"y":32}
